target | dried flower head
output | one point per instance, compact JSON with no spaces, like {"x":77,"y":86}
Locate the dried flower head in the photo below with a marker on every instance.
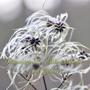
{"x":42,"y":42}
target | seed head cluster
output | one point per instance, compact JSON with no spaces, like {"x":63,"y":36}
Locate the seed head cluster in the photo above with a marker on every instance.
{"x":43,"y":39}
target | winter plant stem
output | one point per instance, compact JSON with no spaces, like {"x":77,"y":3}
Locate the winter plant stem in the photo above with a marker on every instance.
{"x":61,"y":83}
{"x":28,"y":80}
{"x":64,"y":79}
{"x":44,"y":81}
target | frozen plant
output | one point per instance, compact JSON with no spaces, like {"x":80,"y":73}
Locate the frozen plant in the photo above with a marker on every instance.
{"x":40,"y":49}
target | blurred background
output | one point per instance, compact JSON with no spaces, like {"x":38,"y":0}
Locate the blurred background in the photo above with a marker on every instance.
{"x":14,"y":12}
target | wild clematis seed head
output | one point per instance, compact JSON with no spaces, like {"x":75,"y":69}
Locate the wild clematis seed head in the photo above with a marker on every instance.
{"x":43,"y":40}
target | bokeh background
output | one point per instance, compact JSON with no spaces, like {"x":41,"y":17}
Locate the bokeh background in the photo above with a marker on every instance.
{"x":14,"y":12}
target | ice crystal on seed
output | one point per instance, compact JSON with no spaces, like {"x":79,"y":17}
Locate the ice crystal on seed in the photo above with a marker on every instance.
{"x":43,"y":40}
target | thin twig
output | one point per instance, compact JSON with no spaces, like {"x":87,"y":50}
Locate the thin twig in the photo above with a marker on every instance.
{"x":28,"y":80}
{"x":43,"y":4}
{"x":61,"y":84}
{"x":64,"y":79}
{"x":44,"y":83}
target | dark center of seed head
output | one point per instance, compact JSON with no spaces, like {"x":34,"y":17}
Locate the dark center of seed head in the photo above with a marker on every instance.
{"x":36,"y":66}
{"x":35,"y":41}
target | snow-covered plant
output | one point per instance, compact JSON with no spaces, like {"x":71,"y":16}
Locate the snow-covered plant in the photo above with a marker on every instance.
{"x":40,"y":49}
